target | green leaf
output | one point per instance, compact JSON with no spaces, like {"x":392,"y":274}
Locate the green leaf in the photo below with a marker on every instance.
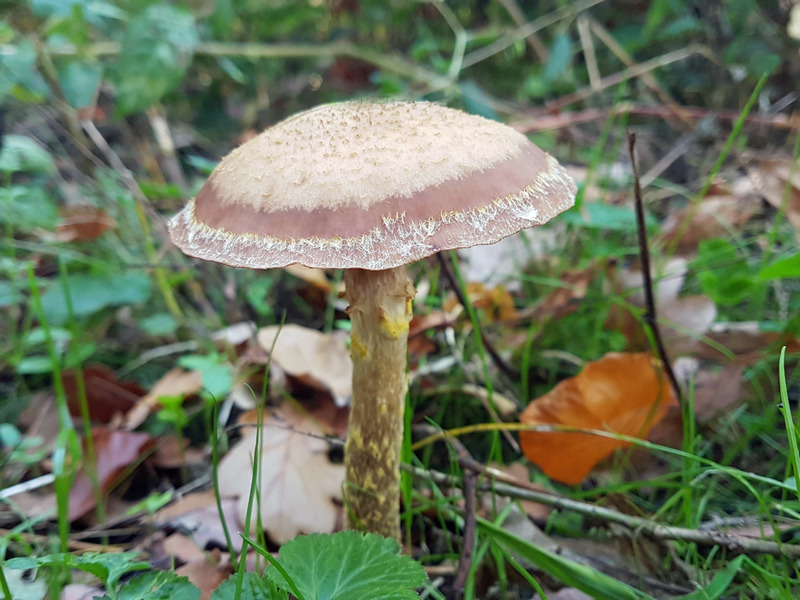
{"x":594,"y":583}
{"x":156,"y":51}
{"x":79,"y":81}
{"x":560,"y":57}
{"x":217,"y":376}
{"x":348,"y":565}
{"x":21,"y":587}
{"x":719,"y":584}
{"x":723,"y":273}
{"x":158,"y":324}
{"x":18,"y":73}
{"x":783,"y":268}
{"x":253,"y":588}
{"x":92,"y":292}
{"x":26,"y":208}
{"x":21,"y":153}
{"x":158,"y":585}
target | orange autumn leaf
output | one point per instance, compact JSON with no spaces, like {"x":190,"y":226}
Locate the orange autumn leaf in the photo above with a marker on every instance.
{"x":622,"y":393}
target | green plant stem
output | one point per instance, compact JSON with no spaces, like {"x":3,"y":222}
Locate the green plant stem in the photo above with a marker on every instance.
{"x":788,"y":418}
{"x":215,"y":478}
{"x":91,"y":457}
{"x":4,"y":584}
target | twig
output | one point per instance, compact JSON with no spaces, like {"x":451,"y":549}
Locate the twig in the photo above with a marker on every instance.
{"x":140,"y":205}
{"x":505,"y":485}
{"x":629,"y":73}
{"x":647,"y":78}
{"x":524,"y":31}
{"x":544,"y":122}
{"x":649,"y":318}
{"x":510,"y":371}
{"x":163,"y":137}
{"x":470,"y":484}
{"x":588,"y":50}
{"x":533,"y":41}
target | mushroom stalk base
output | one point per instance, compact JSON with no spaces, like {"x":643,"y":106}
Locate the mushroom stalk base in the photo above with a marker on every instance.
{"x":380,"y":311}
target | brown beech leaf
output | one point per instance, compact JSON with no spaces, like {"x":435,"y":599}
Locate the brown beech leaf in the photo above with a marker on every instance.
{"x":83,"y":223}
{"x":714,"y":216}
{"x":624,"y":393}
{"x":771,"y":180}
{"x":176,"y":382}
{"x":106,"y":395}
{"x":320,"y":360}
{"x":300,"y":487}
{"x":116,"y":451}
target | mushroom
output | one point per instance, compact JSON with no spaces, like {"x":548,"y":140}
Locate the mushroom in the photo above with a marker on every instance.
{"x":370,"y":187}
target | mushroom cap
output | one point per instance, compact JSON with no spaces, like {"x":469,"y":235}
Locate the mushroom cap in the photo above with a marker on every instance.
{"x":372,"y":186}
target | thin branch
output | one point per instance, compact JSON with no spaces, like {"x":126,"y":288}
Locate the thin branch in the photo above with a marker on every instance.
{"x":629,"y":73}
{"x":498,"y":360}
{"x":650,"y":317}
{"x":507,"y":486}
{"x":526,"y":30}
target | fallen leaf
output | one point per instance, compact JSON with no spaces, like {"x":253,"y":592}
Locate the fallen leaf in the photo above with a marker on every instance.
{"x":713,"y":217}
{"x":198,"y":516}
{"x":771,"y":178}
{"x":316,"y":277}
{"x":495,"y":301}
{"x":682,"y":320}
{"x":106,"y":395}
{"x":564,"y":299}
{"x":320,"y":360}
{"x":83,"y":223}
{"x":176,"y":382}
{"x":206,"y":574}
{"x":622,"y":393}
{"x":116,"y":452}
{"x":300,"y":489}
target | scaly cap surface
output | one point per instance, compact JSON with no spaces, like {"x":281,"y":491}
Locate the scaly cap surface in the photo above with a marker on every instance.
{"x":371,"y":186}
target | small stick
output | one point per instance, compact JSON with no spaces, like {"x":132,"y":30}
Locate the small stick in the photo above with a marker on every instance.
{"x":510,"y":371}
{"x":505,"y":485}
{"x":650,"y":319}
{"x":469,"y":486}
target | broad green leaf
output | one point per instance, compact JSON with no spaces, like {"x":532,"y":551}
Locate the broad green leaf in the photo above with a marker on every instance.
{"x":158,"y":585}
{"x":348,"y":565}
{"x":560,"y":57}
{"x":719,"y":584}
{"x":217,"y":375}
{"x":79,"y":81}
{"x":253,"y":588}
{"x":18,"y":74}
{"x":9,"y":294}
{"x":21,"y":587}
{"x":92,"y":292}
{"x":156,"y":51}
{"x":21,"y":153}
{"x":158,"y":324}
{"x":783,"y":268}
{"x":26,"y":208}
{"x":723,"y":273}
{"x":594,"y":583}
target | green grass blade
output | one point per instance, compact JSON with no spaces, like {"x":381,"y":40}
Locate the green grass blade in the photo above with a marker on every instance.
{"x":598,"y":585}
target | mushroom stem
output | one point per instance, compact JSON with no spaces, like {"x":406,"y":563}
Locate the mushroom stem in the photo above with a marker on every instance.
{"x":380,"y":311}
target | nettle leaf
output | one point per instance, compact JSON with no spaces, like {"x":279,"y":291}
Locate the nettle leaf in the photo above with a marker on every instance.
{"x":156,"y":51}
{"x":92,"y":292}
{"x":21,"y":153}
{"x":253,"y":588}
{"x":348,"y":565}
